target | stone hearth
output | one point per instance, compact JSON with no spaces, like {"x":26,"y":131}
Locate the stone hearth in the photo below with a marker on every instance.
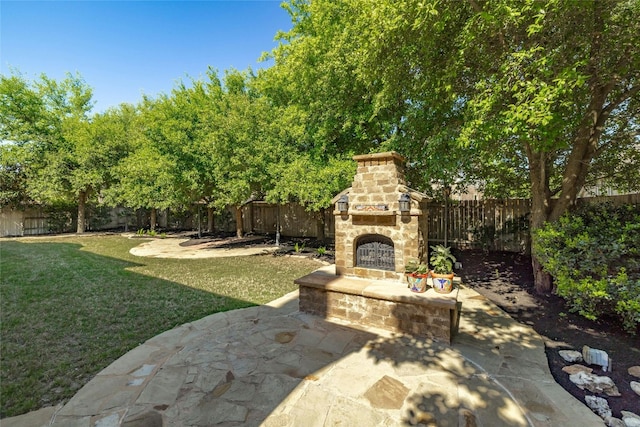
{"x":382,"y":304}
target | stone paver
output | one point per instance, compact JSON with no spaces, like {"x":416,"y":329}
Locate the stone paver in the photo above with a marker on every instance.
{"x":275,"y":366}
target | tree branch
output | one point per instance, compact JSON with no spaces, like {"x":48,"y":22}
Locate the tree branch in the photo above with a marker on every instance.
{"x":621,"y":98}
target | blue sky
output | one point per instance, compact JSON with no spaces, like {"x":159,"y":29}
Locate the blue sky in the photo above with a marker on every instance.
{"x":126,"y":48}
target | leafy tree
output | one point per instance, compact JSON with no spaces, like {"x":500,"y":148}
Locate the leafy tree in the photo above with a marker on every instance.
{"x":63,"y":155}
{"x":311,"y":182}
{"x":192,"y":117}
{"x":537,"y":97}
{"x":247,"y":143}
{"x":315,"y":73}
{"x":172,"y":160}
{"x":146,"y":176}
{"x":13,"y":179}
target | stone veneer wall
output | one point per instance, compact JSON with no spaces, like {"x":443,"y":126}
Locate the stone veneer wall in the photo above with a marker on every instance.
{"x":380,"y":181}
{"x":437,"y":322}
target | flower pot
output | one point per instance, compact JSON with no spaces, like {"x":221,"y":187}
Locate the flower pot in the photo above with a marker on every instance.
{"x":442,"y":283}
{"x":417,"y":282}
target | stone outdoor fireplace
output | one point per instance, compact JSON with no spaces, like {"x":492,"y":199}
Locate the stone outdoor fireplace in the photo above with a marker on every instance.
{"x":380,"y":226}
{"x":375,"y":235}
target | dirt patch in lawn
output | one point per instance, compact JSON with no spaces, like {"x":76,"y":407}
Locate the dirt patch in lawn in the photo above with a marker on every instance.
{"x":507,"y":280}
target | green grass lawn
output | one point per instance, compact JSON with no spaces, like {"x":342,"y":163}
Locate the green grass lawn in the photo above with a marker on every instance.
{"x":72,"y":305}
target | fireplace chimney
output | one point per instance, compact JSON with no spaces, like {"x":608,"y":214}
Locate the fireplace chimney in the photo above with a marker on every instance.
{"x":383,"y":226}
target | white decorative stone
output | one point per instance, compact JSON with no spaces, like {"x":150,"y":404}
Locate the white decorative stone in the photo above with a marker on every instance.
{"x":635,"y":386}
{"x":571,"y":356}
{"x":594,"y":356}
{"x":631,"y":422}
{"x":635,"y":371}
{"x":598,"y":405}
{"x":630,"y":419}
{"x":614,"y":422}
{"x":594,"y":383}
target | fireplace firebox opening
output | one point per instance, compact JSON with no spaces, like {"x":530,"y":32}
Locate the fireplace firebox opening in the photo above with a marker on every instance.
{"x":376,"y":252}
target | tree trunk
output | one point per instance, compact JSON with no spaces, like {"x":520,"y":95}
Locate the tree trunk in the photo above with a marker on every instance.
{"x":82,"y":208}
{"x":540,"y":209}
{"x":320,"y":226}
{"x":239,"y":228}
{"x":211,"y":227}
{"x":154,"y":219}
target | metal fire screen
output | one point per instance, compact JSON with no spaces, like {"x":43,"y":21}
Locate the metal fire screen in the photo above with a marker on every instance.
{"x":375,"y":251}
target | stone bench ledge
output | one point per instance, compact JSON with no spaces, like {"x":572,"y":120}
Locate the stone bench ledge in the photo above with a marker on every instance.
{"x":380,"y":289}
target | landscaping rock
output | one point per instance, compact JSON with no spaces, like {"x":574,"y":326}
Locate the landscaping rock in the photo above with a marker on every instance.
{"x":594,"y":383}
{"x":571,"y":356}
{"x":630,"y":419}
{"x":598,"y":405}
{"x":635,"y":371}
{"x":592,"y":356}
{"x":631,"y":422}
{"x":574,"y":369}
{"x":614,"y":422}
{"x":635,"y":386}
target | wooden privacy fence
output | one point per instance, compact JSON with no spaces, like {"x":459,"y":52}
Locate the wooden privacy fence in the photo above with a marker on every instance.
{"x":495,"y":225}
{"x":488,"y":224}
{"x":498,"y":225}
{"x":295,"y":221}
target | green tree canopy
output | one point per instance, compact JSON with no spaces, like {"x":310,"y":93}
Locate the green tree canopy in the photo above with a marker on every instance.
{"x":536,"y":97}
{"x":49,"y":122}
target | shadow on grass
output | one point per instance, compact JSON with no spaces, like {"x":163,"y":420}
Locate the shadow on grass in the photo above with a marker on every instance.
{"x":67,"y":313}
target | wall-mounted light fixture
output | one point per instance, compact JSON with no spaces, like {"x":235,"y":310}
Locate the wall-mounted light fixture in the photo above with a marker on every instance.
{"x":343,"y":203}
{"x":405,"y":203}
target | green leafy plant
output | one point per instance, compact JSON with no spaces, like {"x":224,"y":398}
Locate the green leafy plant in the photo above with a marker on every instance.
{"x":442,"y":259}
{"x":594,"y":259}
{"x":321,"y":250}
{"x":422,"y":269}
{"x":298,"y":247}
{"x":413,"y":266}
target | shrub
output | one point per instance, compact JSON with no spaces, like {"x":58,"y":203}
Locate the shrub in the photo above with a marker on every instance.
{"x":594,"y":257}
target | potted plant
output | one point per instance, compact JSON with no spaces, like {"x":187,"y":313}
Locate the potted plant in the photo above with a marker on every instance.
{"x":442,"y":261}
{"x":416,"y":274}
